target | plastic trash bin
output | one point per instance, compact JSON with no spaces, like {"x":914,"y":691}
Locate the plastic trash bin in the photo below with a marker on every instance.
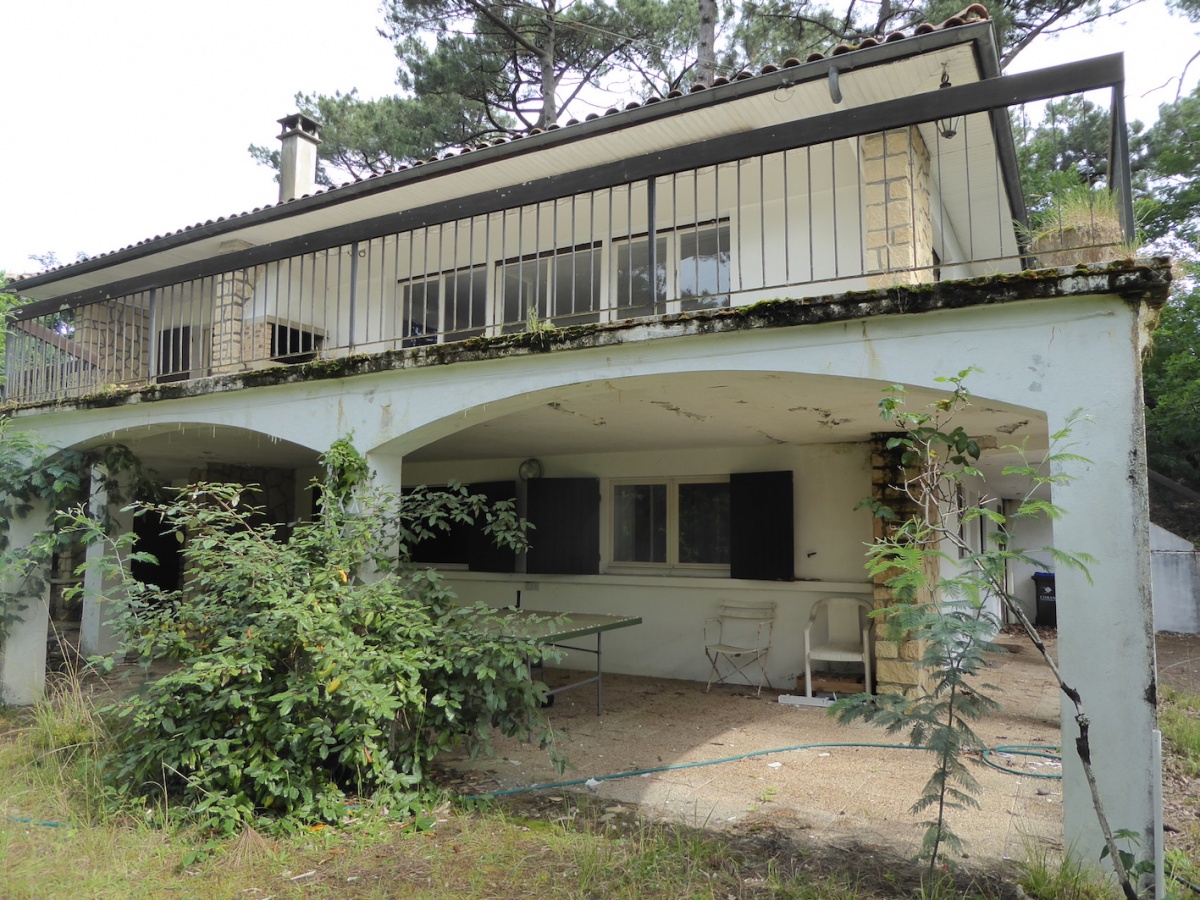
{"x":1047,"y":602}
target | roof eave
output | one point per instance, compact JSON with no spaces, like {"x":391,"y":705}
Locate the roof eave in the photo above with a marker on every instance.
{"x":980,"y":33}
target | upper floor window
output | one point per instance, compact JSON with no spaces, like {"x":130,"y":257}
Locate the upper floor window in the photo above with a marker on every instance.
{"x":691,"y":263}
{"x":453,"y":304}
{"x":561,"y":286}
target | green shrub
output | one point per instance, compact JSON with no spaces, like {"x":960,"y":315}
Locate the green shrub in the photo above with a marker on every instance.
{"x":312,"y":669}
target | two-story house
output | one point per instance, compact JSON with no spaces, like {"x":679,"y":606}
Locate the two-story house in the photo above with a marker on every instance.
{"x":665,"y":331}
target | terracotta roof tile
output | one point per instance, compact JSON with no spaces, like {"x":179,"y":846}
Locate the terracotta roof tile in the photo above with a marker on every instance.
{"x":976,"y":12}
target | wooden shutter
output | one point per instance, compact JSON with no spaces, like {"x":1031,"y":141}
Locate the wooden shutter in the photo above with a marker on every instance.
{"x":483,"y":554}
{"x":566,"y":516}
{"x":762,"y":543}
{"x":452,"y":546}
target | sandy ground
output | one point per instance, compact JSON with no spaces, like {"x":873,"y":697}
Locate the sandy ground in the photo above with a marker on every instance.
{"x":796,"y":769}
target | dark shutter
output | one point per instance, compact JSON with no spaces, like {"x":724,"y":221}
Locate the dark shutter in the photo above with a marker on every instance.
{"x":484,"y":554}
{"x":760,"y":515}
{"x":566,"y":516}
{"x":452,"y":546}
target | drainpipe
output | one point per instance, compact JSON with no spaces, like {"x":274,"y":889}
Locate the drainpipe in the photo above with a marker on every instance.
{"x":298,"y":156}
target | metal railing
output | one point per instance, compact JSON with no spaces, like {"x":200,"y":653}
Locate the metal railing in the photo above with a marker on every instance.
{"x":902,"y":207}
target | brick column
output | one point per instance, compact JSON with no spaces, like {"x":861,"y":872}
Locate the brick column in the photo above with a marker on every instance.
{"x":231,"y":292}
{"x":897,"y":659}
{"x":115,"y":334}
{"x":897,"y":192}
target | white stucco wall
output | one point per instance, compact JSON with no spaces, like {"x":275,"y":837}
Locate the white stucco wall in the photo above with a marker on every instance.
{"x":1175,"y":572}
{"x":1053,"y":355}
{"x":828,"y":481}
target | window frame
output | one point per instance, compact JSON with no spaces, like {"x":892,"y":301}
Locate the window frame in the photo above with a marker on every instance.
{"x":671,"y":565}
{"x":673,"y":237}
{"x":546,"y":292}
{"x":442,"y":334}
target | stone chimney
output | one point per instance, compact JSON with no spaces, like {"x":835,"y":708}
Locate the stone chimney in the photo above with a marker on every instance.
{"x":298,"y":157}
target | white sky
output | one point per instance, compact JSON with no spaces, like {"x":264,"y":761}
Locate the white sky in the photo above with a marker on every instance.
{"x":130,"y":118}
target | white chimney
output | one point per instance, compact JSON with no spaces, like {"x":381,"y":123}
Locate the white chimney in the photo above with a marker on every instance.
{"x":298,"y":157}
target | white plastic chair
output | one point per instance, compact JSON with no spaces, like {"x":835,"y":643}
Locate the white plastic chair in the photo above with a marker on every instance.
{"x":740,"y":634}
{"x":838,"y":630}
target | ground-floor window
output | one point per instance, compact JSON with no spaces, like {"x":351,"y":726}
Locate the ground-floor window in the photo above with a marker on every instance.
{"x":671,"y":522}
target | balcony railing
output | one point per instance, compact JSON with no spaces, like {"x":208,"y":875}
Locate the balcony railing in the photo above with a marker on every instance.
{"x":906,"y":206}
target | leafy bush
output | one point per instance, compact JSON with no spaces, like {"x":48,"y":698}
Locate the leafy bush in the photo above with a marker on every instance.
{"x":315,"y":668}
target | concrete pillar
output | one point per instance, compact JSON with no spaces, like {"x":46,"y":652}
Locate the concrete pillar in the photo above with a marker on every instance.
{"x":1105,"y":625}
{"x":897,"y":192}
{"x":96,"y":636}
{"x":23,"y":653}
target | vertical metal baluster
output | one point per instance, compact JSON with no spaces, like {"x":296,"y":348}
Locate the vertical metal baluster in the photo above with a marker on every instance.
{"x":833,"y":195}
{"x":651,"y":245}
{"x":787,"y":225}
{"x":966,"y":135}
{"x":762,"y":216}
{"x":812,"y":256}
{"x":629,"y":244}
{"x":858,"y":182}
{"x":352,"y":300}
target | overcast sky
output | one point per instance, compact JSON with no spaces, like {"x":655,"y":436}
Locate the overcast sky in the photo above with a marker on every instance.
{"x":125,"y":119}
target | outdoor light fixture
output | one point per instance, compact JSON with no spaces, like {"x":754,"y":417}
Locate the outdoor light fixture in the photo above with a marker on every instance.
{"x":948,"y":128}
{"x":531,"y":468}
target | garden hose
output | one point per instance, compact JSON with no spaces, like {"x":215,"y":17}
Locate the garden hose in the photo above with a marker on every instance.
{"x":1023,"y":750}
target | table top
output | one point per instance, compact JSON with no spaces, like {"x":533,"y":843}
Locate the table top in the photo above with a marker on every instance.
{"x":549,"y":625}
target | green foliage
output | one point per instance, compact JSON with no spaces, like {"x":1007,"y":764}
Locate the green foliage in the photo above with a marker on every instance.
{"x":314,"y":669}
{"x":1068,"y":878}
{"x":361,"y":138}
{"x":782,"y":28}
{"x":1179,"y":719}
{"x":7,"y":302}
{"x":942,"y":601}
{"x":1172,"y":149}
{"x":523,"y":65}
{"x":32,"y":472}
{"x":1171,"y":381}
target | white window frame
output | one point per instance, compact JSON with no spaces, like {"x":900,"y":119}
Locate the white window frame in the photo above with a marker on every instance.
{"x":672,"y":565}
{"x":674,"y":235}
{"x":600,"y":307}
{"x":441,"y":279}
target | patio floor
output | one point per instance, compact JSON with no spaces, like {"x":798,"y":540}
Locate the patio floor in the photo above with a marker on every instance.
{"x":833,"y":792}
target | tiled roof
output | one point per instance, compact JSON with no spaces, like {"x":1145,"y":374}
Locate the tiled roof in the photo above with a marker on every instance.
{"x":976,"y":12}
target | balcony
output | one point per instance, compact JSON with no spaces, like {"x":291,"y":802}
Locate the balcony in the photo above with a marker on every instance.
{"x":706,"y":208}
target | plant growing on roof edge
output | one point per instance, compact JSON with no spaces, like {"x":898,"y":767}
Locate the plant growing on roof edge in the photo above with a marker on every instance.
{"x":316,"y":668}
{"x":948,"y":613}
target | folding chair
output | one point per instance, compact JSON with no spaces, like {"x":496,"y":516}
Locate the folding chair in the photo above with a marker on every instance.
{"x":739,"y":635}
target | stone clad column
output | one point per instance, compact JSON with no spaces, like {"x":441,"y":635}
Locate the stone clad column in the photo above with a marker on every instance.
{"x":897,"y":660}
{"x":231,"y":292}
{"x":897,"y":196}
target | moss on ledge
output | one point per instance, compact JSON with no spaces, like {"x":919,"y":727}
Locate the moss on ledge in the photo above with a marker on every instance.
{"x":1143,"y":281}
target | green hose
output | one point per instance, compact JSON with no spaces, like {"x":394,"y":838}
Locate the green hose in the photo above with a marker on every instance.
{"x":1024,"y":750}
{"x":1011,"y":748}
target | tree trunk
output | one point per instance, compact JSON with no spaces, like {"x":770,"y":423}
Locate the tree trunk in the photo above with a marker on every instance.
{"x":706,"y":49}
{"x":549,"y":79}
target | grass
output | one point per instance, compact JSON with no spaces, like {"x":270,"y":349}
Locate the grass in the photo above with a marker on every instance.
{"x":1046,"y":877}
{"x":48,"y":774}
{"x":1179,"y":720}
{"x":58,"y":840}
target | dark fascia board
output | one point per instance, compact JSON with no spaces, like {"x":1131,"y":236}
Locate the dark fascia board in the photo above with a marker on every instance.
{"x":983,"y":96}
{"x":979,"y":32}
